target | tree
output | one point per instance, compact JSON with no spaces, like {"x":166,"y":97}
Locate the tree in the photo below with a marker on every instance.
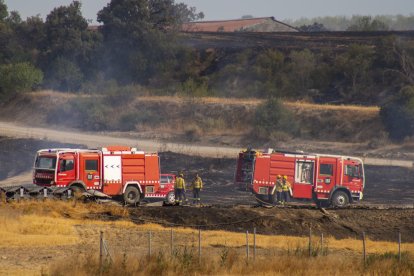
{"x":140,"y":37}
{"x":268,"y":69}
{"x":354,"y":66}
{"x":398,"y":114}
{"x":302,"y":65}
{"x":3,"y":11}
{"x":17,"y":78}
{"x":67,"y":38}
{"x":368,"y":24}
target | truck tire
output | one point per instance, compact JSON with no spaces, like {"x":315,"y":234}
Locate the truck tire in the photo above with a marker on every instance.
{"x":340,"y":199}
{"x":77,"y":191}
{"x":170,"y":198}
{"x":132,"y":195}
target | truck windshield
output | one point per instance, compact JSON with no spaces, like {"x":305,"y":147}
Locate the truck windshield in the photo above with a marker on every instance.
{"x":45,"y":162}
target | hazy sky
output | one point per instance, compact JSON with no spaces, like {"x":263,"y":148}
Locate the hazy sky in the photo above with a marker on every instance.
{"x":231,"y":9}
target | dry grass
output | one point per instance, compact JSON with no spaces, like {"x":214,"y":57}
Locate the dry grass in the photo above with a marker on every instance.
{"x":214,"y":100}
{"x":19,"y":230}
{"x":231,"y":263}
{"x":51,"y":224}
{"x":374,"y":110}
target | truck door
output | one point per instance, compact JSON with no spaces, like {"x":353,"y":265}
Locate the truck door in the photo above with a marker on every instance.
{"x":90,"y":170}
{"x":66,"y":170}
{"x":304,"y":178}
{"x":353,"y":177}
{"x":326,"y":179}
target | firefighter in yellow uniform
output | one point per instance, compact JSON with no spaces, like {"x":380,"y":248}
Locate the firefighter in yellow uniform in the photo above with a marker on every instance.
{"x":197,"y":186}
{"x":279,"y":190}
{"x":179,"y":188}
{"x":276,"y":191}
{"x":285,"y":189}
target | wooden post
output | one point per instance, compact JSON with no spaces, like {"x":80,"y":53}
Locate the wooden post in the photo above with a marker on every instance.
{"x":100,"y":250}
{"x":247,"y":245}
{"x":399,"y":246}
{"x":254,"y":244}
{"x":172,"y":242}
{"x":149,"y":244}
{"x":364,"y":247}
{"x":321,"y":243}
{"x":310,"y":241}
{"x":199,"y":245}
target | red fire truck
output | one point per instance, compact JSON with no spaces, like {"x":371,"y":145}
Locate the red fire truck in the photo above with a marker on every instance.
{"x":116,"y":171}
{"x":325,"y":179}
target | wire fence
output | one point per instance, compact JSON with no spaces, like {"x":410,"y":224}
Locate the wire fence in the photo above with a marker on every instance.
{"x":198,"y":243}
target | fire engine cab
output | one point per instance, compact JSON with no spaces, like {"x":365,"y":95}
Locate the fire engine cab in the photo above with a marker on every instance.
{"x":332,"y":179}
{"x":114,"y":171}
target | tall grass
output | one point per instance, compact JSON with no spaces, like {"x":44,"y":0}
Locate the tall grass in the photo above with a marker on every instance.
{"x":186,"y":262}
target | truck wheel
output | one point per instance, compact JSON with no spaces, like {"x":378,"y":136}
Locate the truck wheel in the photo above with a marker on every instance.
{"x":131,"y":195}
{"x":170,"y":198}
{"x":77,"y":191}
{"x":340,"y":199}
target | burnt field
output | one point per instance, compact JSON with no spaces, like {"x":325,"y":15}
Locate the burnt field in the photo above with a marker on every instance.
{"x":318,"y":41}
{"x":233,"y":210}
{"x":384,"y":185}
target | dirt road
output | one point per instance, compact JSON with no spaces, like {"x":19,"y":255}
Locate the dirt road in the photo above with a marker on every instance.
{"x":94,"y":140}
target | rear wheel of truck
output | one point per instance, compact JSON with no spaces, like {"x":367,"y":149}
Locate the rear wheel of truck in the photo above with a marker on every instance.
{"x":340,"y":199}
{"x":132,"y":195}
{"x":170,"y":198}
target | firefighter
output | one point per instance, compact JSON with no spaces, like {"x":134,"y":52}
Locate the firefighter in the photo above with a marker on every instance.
{"x":179,"y":188}
{"x":285,"y":189}
{"x":279,"y":190}
{"x":197,"y":186}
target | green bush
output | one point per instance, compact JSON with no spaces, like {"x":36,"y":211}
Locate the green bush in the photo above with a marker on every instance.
{"x":272,"y":119}
{"x":398,"y":115}
{"x":17,"y":78}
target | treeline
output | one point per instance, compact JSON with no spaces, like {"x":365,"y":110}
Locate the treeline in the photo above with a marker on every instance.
{"x":356,"y":23}
{"x":138,"y":47}
{"x":136,"y":43}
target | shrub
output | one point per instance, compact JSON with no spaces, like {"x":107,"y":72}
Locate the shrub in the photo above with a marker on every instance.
{"x":398,"y":114}
{"x":272,"y":117}
{"x":18,"y":77}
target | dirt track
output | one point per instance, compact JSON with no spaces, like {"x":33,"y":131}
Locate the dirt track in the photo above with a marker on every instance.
{"x":94,"y":140}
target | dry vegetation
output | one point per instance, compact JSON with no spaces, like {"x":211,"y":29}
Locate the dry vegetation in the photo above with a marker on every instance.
{"x":68,"y":234}
{"x":215,"y":120}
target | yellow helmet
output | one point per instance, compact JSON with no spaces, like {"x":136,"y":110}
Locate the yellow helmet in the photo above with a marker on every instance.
{"x":285,"y":177}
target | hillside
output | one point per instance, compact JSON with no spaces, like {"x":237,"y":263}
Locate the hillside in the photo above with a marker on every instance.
{"x":203,"y":120}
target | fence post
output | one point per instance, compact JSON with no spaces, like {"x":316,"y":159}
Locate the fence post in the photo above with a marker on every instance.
{"x":254,"y":244}
{"x":321,"y":243}
{"x":364,"y":247}
{"x":100,"y":250}
{"x":399,"y":246}
{"x":310,"y":241}
{"x":149,"y":244}
{"x":172,"y":242}
{"x":199,"y":245}
{"x":247,"y":245}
